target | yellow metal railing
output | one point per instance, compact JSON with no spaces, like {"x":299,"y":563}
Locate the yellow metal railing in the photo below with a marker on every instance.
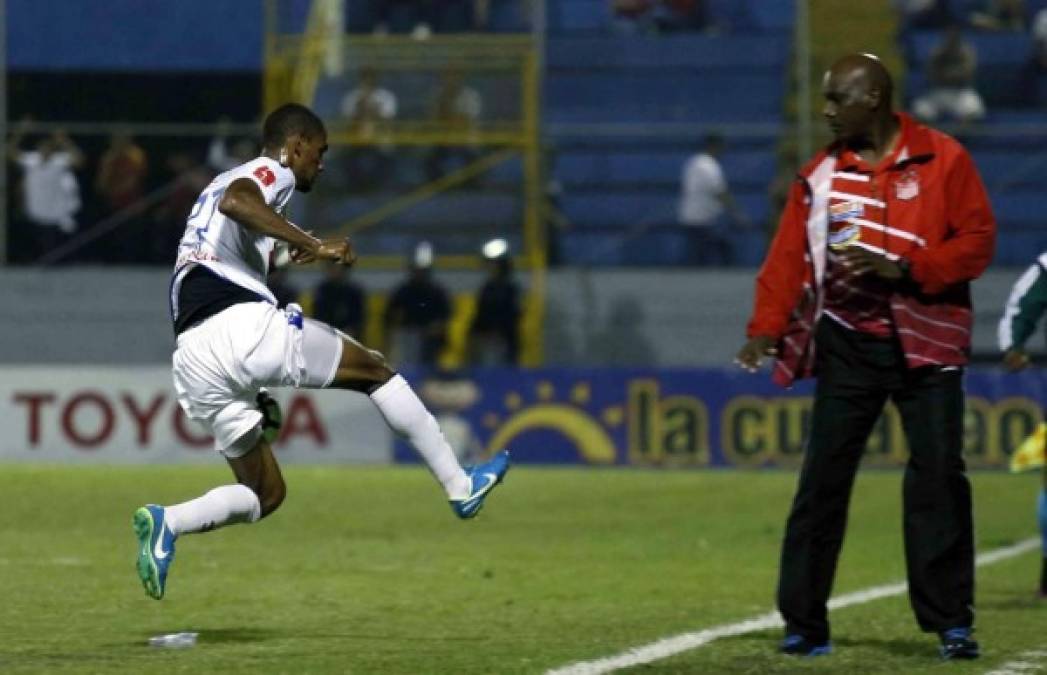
{"x":294,"y":66}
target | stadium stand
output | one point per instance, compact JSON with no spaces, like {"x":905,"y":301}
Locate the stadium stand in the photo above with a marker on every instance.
{"x":604,"y":92}
{"x":1010,"y":145}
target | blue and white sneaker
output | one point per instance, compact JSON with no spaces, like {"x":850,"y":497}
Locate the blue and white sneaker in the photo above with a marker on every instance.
{"x":155,"y":548}
{"x":957,"y":643}
{"x":483,"y":478}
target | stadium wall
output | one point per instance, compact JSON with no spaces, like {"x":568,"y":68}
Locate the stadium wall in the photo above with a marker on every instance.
{"x":617,"y":317}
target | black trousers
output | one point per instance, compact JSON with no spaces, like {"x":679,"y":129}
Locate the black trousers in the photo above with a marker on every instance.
{"x":857,"y":373}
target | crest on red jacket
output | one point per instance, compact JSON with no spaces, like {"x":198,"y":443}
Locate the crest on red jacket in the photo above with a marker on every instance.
{"x":907,"y":186}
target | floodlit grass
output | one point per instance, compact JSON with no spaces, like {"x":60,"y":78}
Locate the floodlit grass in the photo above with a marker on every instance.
{"x":365,"y":570}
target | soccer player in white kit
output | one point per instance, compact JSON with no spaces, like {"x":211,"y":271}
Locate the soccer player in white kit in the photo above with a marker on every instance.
{"x":233,"y":340}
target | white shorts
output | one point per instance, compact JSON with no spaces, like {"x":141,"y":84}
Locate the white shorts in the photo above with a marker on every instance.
{"x":220,"y":364}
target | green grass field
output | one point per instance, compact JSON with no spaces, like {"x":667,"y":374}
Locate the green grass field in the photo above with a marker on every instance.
{"x":365,"y":570}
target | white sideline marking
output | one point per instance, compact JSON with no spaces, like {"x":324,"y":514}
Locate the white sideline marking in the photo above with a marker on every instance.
{"x":1017,"y":667}
{"x":677,"y":644}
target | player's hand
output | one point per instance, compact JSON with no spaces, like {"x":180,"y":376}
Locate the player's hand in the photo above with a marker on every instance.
{"x":752,"y":353}
{"x":337,"y":249}
{"x":1015,"y":360}
{"x":861,"y":261}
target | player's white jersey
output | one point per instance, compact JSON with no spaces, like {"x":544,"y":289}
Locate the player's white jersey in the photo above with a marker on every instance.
{"x":225,"y":247}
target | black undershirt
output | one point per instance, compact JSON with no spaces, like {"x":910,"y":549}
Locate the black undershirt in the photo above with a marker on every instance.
{"x":204,"y":294}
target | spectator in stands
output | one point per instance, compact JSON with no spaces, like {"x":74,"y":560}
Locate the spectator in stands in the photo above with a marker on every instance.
{"x":368,"y":110}
{"x":671,"y":16}
{"x":950,"y":73}
{"x":120,"y":184}
{"x":339,"y":301}
{"x":923,"y":14}
{"x":122,"y":172}
{"x":417,"y":314}
{"x":494,"y":336}
{"x":707,"y":207}
{"x":50,"y":193}
{"x":633,"y":16}
{"x":1039,"y":36}
{"x":456,"y":108}
{"x":284,"y":292}
{"x":1001,"y":15}
{"x":421,"y":14}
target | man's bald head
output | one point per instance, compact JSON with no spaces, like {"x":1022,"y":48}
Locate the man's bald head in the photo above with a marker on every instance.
{"x":866,"y":74}
{"x":858,"y":91}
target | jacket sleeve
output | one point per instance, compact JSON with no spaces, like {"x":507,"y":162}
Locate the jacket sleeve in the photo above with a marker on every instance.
{"x":779,"y":283}
{"x":968,"y":247}
{"x":1025,"y":307}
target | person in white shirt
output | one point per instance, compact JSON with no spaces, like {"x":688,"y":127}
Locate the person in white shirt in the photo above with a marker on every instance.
{"x":951,"y":73}
{"x":368,"y":109}
{"x":50,"y":191}
{"x":233,"y":341}
{"x":456,"y":108}
{"x":706,"y":204}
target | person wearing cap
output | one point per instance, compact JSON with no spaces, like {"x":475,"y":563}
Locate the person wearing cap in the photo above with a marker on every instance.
{"x":494,"y":335}
{"x":417,"y":314}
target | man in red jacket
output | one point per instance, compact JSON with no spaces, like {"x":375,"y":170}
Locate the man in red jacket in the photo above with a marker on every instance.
{"x":866,"y":287}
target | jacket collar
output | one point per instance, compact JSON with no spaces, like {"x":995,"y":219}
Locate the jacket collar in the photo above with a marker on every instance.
{"x":915,"y":140}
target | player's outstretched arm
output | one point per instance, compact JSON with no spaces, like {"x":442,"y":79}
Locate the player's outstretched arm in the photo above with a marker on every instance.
{"x":244,"y":203}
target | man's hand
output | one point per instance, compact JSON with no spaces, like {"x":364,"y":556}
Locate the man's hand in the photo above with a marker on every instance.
{"x":336,"y":249}
{"x":752,"y":352}
{"x":1015,"y":360}
{"x":861,"y":261}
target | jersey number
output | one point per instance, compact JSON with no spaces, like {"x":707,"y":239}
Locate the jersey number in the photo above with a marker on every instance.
{"x":213,"y":197}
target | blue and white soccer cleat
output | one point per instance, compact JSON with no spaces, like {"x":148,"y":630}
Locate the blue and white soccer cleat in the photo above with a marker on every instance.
{"x":798,"y":645}
{"x":483,"y":478}
{"x":155,"y":548}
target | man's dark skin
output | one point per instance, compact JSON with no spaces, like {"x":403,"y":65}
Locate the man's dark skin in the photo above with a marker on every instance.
{"x":860,"y":114}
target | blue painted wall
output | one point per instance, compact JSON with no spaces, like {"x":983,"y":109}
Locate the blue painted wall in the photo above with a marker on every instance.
{"x":137,"y":35}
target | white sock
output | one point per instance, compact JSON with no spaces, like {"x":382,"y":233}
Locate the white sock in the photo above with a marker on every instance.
{"x":405,"y":413}
{"x":221,"y":506}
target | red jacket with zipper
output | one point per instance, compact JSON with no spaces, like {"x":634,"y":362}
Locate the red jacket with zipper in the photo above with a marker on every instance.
{"x":949,"y":239}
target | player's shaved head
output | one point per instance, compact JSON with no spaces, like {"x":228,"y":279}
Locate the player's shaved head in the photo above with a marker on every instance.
{"x":288,"y":120}
{"x":864,"y":74}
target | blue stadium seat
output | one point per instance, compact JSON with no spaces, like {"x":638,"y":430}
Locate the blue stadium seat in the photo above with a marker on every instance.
{"x":579,"y":16}
{"x":749,"y":247}
{"x":508,"y":16}
{"x":1041,"y":90}
{"x":714,"y":95}
{"x":478,"y":209}
{"x":626,"y":209}
{"x":777,"y":16}
{"x":667,"y":51}
{"x":1017,"y":249}
{"x":589,"y":167}
{"x":656,"y":246}
{"x":1021,"y":211}
{"x":1010,"y":168}
{"x":603,"y":208}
